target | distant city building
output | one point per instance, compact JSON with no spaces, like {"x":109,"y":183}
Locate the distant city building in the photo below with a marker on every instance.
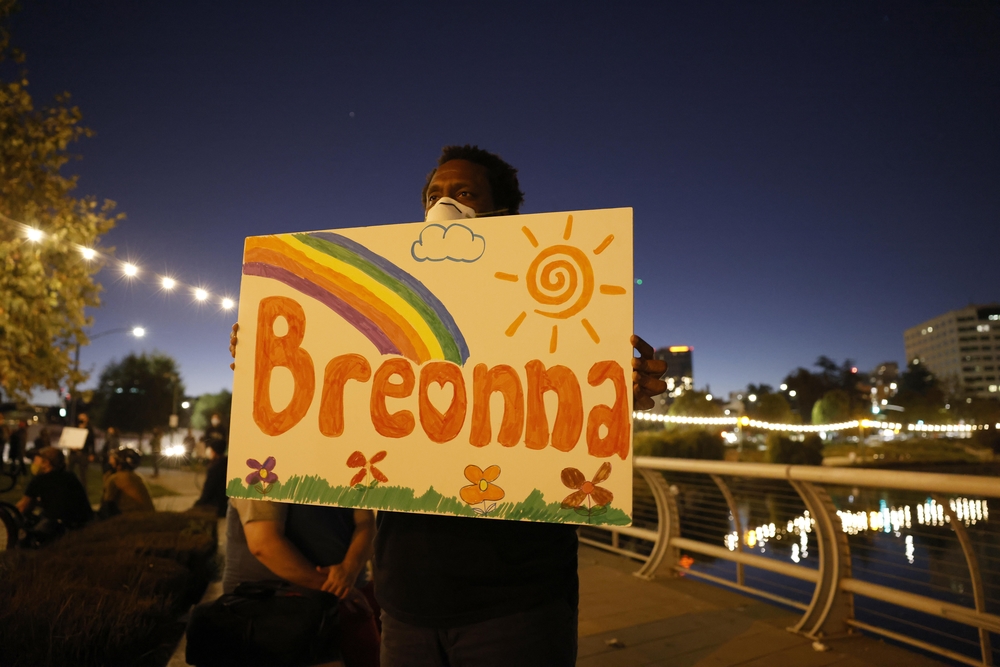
{"x":680,"y":373}
{"x":961,"y":348}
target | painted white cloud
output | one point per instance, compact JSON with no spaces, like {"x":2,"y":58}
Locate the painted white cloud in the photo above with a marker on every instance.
{"x":457,"y":243}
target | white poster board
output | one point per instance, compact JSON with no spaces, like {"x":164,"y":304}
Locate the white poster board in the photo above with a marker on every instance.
{"x":72,"y":438}
{"x":480,"y":368}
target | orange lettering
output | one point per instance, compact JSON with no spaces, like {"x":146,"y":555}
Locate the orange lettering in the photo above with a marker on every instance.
{"x":484,"y":382}
{"x":398,"y":424}
{"x":615,"y":418}
{"x":442,"y":427}
{"x":273,"y":351}
{"x":569,"y":414}
{"x":331,"y":405}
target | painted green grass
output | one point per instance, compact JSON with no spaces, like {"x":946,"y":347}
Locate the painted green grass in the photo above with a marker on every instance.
{"x":313,"y":489}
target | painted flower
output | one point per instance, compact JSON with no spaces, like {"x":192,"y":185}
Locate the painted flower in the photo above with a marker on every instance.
{"x":358,"y":460}
{"x":585,"y":490}
{"x":261,"y":472}
{"x":482,"y":487}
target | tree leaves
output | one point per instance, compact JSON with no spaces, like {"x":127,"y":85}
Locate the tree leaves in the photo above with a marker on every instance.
{"x":45,"y":287}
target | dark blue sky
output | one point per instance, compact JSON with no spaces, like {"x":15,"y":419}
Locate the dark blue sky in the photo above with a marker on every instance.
{"x":807,"y":178}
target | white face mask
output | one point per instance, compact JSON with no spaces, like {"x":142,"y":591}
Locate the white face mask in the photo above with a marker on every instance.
{"x":446,"y":208}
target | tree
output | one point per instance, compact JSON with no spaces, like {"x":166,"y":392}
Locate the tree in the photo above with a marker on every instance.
{"x":772,"y":408}
{"x":834,"y":407}
{"x":137,"y":393}
{"x":209,"y":404}
{"x":920,"y":394}
{"x":694,"y":404}
{"x":44,"y":285}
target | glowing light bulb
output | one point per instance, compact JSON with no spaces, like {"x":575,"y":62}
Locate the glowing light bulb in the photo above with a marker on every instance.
{"x":130,"y":270}
{"x":138,"y":332}
{"x":228,"y":304}
{"x":88,"y":253}
{"x":35,"y":235}
{"x":168,"y":283}
{"x":200,"y":294}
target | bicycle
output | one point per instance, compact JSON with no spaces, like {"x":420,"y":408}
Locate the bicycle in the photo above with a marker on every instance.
{"x":11,"y":524}
{"x":9,"y":472}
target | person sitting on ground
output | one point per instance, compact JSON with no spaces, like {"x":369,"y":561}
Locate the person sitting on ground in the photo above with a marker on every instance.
{"x":124,"y":490}
{"x":213,"y":493}
{"x":57,"y":497}
{"x":320,"y":547}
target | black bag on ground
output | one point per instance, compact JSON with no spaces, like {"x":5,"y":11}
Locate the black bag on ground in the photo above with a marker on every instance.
{"x":264,"y":623}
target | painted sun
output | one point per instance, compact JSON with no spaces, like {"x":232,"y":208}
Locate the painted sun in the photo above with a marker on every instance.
{"x":560,"y":279}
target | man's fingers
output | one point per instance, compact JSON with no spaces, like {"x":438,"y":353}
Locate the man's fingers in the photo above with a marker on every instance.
{"x":236,"y":327}
{"x":649,"y":384}
{"x":232,"y":366}
{"x":645,"y":349}
{"x":644,"y":403}
{"x":652,"y":366}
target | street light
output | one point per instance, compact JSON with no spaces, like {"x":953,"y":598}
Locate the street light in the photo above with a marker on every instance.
{"x":138,"y":332}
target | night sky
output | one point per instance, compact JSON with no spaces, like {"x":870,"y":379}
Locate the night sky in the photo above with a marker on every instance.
{"x":807,"y":178}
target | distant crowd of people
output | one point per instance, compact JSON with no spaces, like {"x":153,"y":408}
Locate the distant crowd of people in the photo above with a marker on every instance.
{"x":55,"y":499}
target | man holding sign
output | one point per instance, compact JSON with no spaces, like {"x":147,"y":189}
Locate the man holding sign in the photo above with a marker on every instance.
{"x":464,"y":591}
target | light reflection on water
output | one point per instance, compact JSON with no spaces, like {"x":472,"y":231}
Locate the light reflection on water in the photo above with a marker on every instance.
{"x":886,"y":519}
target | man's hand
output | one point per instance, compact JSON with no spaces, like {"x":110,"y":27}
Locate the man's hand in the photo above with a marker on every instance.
{"x":338,"y":581}
{"x":233,"y":339}
{"x":646,"y":372}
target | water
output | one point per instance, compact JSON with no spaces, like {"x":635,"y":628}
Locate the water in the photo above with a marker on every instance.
{"x":898,"y":539}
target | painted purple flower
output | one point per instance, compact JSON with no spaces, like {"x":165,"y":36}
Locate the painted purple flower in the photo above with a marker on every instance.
{"x":261,"y":476}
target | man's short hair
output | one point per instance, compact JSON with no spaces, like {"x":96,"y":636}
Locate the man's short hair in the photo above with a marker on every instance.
{"x":507,"y":195}
{"x":53,"y":456}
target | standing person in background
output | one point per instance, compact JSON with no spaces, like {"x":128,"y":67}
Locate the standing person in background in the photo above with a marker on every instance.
{"x":18,"y":445}
{"x":80,"y":459}
{"x":213,"y":493}
{"x":189,"y":443}
{"x":216,"y":432}
{"x":112,"y":443}
{"x":44,"y":438}
{"x":155,"y":441}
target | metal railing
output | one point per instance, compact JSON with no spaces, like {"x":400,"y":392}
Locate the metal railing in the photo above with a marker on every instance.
{"x":927,"y":573}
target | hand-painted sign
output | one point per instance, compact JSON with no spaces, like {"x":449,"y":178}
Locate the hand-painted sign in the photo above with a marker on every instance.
{"x":474,"y":369}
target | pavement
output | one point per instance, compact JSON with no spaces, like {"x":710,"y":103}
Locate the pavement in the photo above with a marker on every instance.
{"x":630,"y":622}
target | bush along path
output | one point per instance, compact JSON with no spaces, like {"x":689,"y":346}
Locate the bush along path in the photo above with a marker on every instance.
{"x":109,"y":594}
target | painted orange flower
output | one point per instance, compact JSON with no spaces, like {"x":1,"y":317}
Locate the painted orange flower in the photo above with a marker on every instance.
{"x":586,"y":491}
{"x":482,"y":487}
{"x":358,"y":460}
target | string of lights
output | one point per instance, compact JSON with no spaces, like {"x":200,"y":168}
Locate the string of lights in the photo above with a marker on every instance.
{"x":895,"y":427}
{"x":129,"y":269}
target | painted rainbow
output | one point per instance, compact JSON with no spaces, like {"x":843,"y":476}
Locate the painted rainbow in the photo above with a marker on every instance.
{"x":385,"y":303}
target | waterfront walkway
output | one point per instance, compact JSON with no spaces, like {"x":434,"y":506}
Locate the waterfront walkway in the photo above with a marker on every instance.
{"x":676,"y":622}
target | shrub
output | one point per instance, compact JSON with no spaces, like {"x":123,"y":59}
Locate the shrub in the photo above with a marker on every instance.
{"x":681,"y":444}
{"x":783,"y":450}
{"x":111,"y":593}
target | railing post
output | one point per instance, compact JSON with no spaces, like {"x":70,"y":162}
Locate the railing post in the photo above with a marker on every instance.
{"x":664,"y":555}
{"x":978,"y":594}
{"x":830,"y":608}
{"x":734,"y":510}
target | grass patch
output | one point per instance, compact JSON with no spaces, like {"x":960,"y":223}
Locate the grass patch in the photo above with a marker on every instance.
{"x":313,"y":489}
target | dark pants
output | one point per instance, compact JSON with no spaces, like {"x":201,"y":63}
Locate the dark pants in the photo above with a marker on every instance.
{"x":542,"y":637}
